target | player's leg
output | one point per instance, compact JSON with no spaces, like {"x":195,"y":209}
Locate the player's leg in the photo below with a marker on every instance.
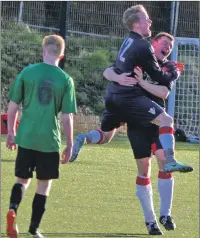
{"x":165,"y":187}
{"x":109,"y":124}
{"x":23,"y":172}
{"x":166,"y":137}
{"x":47,"y":168}
{"x":141,"y":145}
{"x":150,"y":112}
{"x":38,"y":207}
{"x":92,"y":137}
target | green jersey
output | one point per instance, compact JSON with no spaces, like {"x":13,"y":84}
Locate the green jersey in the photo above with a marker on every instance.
{"x":44,"y":90}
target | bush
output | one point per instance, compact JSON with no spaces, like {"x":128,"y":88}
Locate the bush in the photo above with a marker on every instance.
{"x":86,"y":59}
{"x":87,"y":70}
{"x":19,"y":48}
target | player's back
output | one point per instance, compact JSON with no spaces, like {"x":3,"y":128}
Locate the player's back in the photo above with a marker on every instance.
{"x":128,"y":53}
{"x":43,"y":88}
{"x":128,"y":57}
{"x":136,"y":51}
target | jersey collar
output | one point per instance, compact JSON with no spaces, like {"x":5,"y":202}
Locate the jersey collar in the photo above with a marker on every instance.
{"x":135,"y":35}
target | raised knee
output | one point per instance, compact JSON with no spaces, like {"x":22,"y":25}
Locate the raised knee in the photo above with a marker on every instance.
{"x":170,"y":119}
{"x":166,"y":119}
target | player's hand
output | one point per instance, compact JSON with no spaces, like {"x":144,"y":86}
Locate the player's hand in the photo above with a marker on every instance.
{"x":66,"y":155}
{"x":10,"y":141}
{"x":169,"y":66}
{"x":179,"y":65}
{"x":138,"y":74}
{"x":173,"y":66}
{"x":125,"y":79}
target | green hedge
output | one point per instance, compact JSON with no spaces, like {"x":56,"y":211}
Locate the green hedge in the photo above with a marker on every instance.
{"x":19,"y":48}
{"x":86,"y":59}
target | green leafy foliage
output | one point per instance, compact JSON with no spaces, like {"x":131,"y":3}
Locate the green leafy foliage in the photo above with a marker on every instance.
{"x":20,"y":47}
{"x":86,"y":59}
{"x":87,"y":70}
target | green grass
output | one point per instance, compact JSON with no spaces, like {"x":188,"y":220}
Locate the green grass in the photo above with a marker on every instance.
{"x":95,"y":195}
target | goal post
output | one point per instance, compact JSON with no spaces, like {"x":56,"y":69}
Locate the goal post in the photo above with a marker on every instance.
{"x":183,"y":102}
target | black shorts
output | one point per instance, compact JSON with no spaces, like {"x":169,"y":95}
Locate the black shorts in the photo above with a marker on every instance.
{"x":46,"y":164}
{"x":134,"y":110}
{"x":144,"y":141}
{"x":111,"y":120}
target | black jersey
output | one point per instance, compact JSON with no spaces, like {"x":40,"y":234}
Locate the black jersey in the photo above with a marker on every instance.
{"x":169,"y":85}
{"x":136,"y":51}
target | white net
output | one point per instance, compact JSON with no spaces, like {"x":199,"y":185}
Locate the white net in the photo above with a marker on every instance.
{"x":186,"y":112}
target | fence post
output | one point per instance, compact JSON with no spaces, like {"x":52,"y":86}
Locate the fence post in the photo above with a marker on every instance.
{"x":21,"y":6}
{"x":172,"y":17}
{"x":171,"y":99}
{"x":173,"y":29}
{"x":64,"y":21}
{"x":176,"y":18}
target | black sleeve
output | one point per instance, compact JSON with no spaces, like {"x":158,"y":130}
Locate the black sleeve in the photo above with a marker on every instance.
{"x":149,"y":63}
{"x":169,"y":65}
{"x":170,"y":85}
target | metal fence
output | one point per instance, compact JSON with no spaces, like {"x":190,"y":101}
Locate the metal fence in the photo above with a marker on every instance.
{"x":94,"y":31}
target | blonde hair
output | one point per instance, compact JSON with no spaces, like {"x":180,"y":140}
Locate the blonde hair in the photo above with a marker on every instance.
{"x":130,"y":16}
{"x":54,"y":44}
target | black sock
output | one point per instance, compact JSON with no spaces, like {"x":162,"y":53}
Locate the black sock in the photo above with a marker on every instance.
{"x":38,"y":209}
{"x":16,"y":196}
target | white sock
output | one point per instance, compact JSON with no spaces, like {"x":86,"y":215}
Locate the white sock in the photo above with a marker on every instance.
{"x":165,"y":189}
{"x":145,"y":194}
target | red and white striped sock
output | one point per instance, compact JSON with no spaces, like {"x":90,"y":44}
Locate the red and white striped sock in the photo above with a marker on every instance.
{"x":166,"y":137}
{"x":94,"y":136}
{"x":165,"y":189}
{"x":145,"y":194}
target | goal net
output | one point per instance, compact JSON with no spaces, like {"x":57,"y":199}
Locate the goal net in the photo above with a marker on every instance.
{"x":184,"y":100}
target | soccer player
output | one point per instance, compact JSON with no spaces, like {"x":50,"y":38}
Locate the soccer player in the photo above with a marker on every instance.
{"x":131,"y":104}
{"x":163,"y":44}
{"x":162,"y":51}
{"x":45,"y":90}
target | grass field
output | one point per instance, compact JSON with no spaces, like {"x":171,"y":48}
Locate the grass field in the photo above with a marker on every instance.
{"x":95,"y":195}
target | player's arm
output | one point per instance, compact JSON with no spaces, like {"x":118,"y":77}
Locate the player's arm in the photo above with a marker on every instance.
{"x":12,"y":117}
{"x":157,"y":90}
{"x":68,"y":123}
{"x":68,"y":108}
{"x":110,"y":74}
{"x":11,"y":125}
{"x":16,"y":96}
{"x":122,"y":79}
{"x":149,"y":63}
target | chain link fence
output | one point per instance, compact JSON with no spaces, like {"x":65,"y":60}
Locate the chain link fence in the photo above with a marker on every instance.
{"x":94,"y":32}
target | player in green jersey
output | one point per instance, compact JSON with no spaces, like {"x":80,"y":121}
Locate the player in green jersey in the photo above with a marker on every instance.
{"x":45,"y":90}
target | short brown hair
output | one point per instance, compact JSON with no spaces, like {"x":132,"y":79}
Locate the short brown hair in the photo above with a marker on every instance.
{"x":130,"y":16}
{"x":161,"y":34}
{"x":54,"y":44}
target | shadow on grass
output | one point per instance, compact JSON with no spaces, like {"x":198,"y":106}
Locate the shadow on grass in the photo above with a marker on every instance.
{"x":85,"y":235}
{"x":6,"y":160}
